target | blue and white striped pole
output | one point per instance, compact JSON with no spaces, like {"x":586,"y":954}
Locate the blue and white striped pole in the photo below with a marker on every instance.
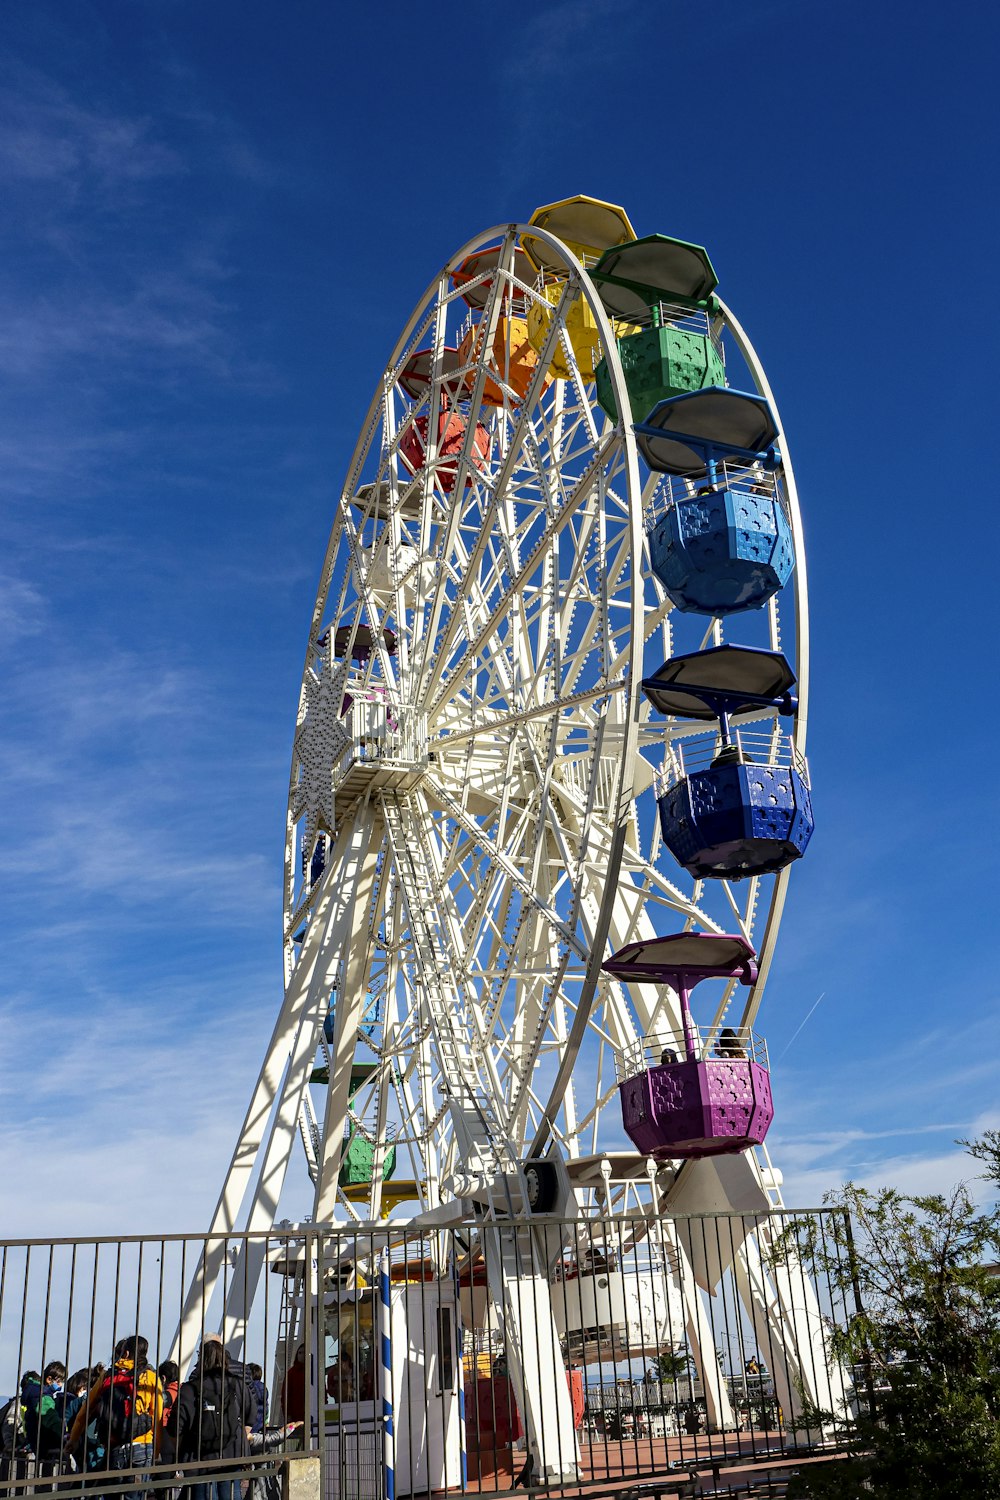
{"x":460,"y":1341}
{"x":388,"y":1429}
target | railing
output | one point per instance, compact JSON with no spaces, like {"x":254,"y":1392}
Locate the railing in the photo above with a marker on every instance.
{"x":378,"y":732}
{"x":390,"y":1346}
{"x":262,"y":1475}
{"x":553,"y":275}
{"x":668,"y":1046}
{"x":742,"y":478}
{"x":748,"y":746}
{"x":665,"y":314}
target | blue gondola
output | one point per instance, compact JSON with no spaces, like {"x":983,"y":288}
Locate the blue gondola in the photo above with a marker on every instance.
{"x":735,"y":802}
{"x":720,"y":540}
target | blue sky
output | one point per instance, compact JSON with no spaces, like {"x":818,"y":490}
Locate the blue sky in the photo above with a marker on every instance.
{"x":216,"y":219}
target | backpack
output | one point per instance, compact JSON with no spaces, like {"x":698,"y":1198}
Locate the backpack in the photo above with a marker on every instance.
{"x":115,"y":1423}
{"x":12,"y":1434}
{"x":218,"y":1422}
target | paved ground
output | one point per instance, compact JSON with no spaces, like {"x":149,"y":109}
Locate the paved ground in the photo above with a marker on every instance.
{"x":724,"y":1459}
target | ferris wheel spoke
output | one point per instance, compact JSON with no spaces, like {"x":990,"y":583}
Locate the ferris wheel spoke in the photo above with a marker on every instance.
{"x":548,"y":710}
{"x":591,"y":1118}
{"x":513,"y":874}
{"x":471,"y":1094}
{"x":617,"y":1034}
{"x":428,"y":629}
{"x":743,"y":916}
{"x":452,"y":920}
{"x":475,"y":647}
{"x":532,"y":1055}
{"x":532,"y":619}
{"x":653,"y":882}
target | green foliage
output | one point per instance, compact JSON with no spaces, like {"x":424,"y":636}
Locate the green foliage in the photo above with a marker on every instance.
{"x":670,"y":1366}
{"x":924,"y":1348}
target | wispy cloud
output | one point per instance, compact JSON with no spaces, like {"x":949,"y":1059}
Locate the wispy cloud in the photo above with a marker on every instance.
{"x":140,"y":950}
{"x":126,"y":277}
{"x":134,"y":1094}
{"x":158,"y":315}
{"x":22,"y":610}
{"x":814,"y":1164}
{"x":47,"y":137}
{"x":117,"y":765}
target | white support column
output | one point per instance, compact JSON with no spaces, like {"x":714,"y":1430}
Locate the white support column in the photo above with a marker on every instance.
{"x":782,"y":1305}
{"x":700,"y":1335}
{"x":519,"y":1285}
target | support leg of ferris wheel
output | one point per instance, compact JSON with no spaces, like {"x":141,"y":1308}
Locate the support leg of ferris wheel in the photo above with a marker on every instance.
{"x":697,"y":1326}
{"x":266,"y":1143}
{"x":782,"y":1305}
{"x":518,"y":1276}
{"x":517,"y":1270}
{"x":350,"y":1003}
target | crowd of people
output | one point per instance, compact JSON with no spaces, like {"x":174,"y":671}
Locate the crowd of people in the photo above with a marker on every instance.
{"x":130,"y":1416}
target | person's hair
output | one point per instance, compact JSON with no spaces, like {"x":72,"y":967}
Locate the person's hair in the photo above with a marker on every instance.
{"x":135,"y":1347}
{"x":256,"y":1372}
{"x":79,"y":1384}
{"x":29,"y":1375}
{"x":169,"y":1371}
{"x":213,"y":1358}
{"x":55,"y":1370}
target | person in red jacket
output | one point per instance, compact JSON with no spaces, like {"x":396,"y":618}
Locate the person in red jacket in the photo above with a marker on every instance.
{"x":293,"y":1388}
{"x":170,"y":1375}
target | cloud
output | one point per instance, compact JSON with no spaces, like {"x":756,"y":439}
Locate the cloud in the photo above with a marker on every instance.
{"x":49,"y":137}
{"x":161,"y":317}
{"x":140,"y":869}
{"x":816,"y":1164}
{"x":110,"y":788}
{"x":22,"y":610}
{"x":938,"y":1172}
{"x":127,"y":1122}
{"x":126,"y":277}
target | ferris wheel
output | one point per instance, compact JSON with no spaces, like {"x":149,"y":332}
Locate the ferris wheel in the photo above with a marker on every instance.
{"x":548,"y":771}
{"x":489,"y":797}
{"x":479,"y":814}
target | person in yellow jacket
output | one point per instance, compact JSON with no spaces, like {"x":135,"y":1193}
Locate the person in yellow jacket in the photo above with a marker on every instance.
{"x":120,"y":1423}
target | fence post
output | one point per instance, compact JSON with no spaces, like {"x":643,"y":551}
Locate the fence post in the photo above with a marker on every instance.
{"x":385,"y":1348}
{"x":301,"y":1478}
{"x":321,"y":1397}
{"x":314,"y":1381}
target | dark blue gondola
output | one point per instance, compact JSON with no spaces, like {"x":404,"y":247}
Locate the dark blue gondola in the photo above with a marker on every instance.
{"x":737,"y":803}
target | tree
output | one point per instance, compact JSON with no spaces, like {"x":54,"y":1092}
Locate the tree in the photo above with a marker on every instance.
{"x":672,"y":1364}
{"x":924,"y":1345}
{"x":668,"y":1368}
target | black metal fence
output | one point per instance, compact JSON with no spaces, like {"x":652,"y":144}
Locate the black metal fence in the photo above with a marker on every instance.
{"x":583,"y":1354}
